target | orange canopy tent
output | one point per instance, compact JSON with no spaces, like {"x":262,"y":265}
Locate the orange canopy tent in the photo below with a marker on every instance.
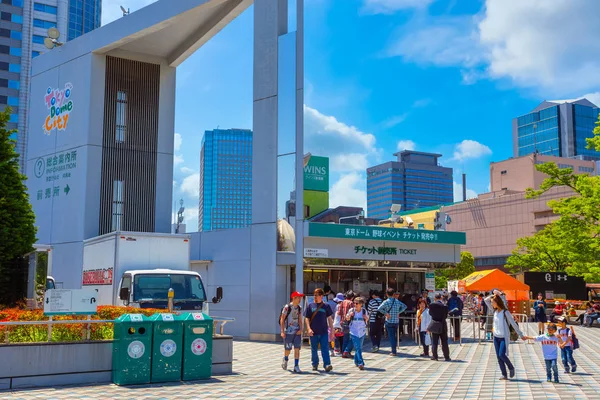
{"x":486,"y":281}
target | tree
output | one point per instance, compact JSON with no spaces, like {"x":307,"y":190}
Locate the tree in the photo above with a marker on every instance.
{"x":465,"y":267}
{"x":572,"y":243}
{"x":17,"y":230}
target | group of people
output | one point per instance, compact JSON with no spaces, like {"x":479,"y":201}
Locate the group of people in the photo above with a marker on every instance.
{"x":351,"y":317}
{"x":338,"y":325}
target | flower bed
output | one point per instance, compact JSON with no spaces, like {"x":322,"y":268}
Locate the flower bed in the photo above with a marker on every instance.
{"x":63,"y":332}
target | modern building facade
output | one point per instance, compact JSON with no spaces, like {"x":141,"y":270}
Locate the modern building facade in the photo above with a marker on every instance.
{"x":415,"y":180}
{"x":557,"y":128}
{"x":225,"y":179}
{"x":25,"y":24}
{"x":519,"y":174}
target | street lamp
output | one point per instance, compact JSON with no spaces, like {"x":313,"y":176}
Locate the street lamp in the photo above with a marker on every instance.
{"x":360,"y":217}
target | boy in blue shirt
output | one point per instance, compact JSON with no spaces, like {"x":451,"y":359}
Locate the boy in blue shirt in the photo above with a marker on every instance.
{"x":549,"y":346}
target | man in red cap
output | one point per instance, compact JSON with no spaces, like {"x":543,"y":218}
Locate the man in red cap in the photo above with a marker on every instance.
{"x":290,"y":322}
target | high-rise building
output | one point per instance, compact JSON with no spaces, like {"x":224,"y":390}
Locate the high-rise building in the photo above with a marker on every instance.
{"x":25,"y":24}
{"x":225,"y":179}
{"x":557,"y":128}
{"x":416,"y":180}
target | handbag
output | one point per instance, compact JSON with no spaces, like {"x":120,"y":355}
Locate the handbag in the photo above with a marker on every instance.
{"x":513,"y":333}
{"x":436,"y":327}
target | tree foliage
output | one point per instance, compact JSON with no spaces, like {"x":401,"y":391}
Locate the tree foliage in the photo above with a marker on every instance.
{"x":465,"y":267}
{"x":17,"y":230}
{"x":571,"y":243}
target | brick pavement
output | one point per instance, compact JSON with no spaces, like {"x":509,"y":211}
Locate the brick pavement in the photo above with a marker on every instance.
{"x":473,"y":374}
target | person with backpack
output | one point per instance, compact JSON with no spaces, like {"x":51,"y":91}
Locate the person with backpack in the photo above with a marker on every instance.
{"x":343,"y":309}
{"x":290,"y":322}
{"x":358,"y":317}
{"x":570,"y":343}
{"x":455,"y":311}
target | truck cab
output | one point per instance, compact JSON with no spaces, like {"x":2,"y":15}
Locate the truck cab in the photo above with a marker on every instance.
{"x":150,"y":288}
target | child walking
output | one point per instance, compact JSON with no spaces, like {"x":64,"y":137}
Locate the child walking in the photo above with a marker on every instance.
{"x":549,"y":347}
{"x":358,"y":318}
{"x":566,"y":350}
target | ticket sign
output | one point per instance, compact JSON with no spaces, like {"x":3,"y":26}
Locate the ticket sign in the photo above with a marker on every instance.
{"x":70,"y":301}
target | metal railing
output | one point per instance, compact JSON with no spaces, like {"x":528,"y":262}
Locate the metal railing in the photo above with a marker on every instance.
{"x":218,"y":326}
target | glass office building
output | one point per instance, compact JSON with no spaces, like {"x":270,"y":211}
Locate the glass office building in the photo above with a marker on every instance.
{"x":84,"y":16}
{"x":557,"y":128}
{"x":225,"y":179}
{"x":24,"y":25}
{"x":416,"y":180}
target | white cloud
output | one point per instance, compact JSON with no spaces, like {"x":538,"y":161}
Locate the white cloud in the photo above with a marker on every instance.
{"x":548,"y":44}
{"x":327,"y":130}
{"x":470,"y":149}
{"x":391,"y":6}
{"x":177,"y":142}
{"x":349,"y":162}
{"x":111,"y":8}
{"x":458,"y":194}
{"x":177,"y":159}
{"x":191,"y":186}
{"x":443,"y":41}
{"x":349,"y":190}
{"x":395,"y":120}
{"x":406,"y":145}
{"x":191,"y":218}
{"x":187,"y":171}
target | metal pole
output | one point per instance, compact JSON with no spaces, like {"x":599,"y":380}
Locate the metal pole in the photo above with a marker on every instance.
{"x":50,"y":329}
{"x":89,"y":327}
{"x":171,"y":295}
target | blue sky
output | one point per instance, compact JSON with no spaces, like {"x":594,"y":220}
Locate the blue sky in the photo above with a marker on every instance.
{"x":383,"y":75}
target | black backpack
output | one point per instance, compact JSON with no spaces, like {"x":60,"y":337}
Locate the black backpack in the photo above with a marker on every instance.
{"x":289,"y":311}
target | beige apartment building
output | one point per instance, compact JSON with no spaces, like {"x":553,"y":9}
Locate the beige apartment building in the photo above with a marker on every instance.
{"x":494,"y":221}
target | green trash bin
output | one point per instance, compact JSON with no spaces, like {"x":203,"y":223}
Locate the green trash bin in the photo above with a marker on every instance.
{"x":167,"y":340}
{"x":132,"y":349}
{"x":197,"y":346}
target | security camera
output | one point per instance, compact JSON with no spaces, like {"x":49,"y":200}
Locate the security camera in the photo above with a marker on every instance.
{"x":409,"y":221}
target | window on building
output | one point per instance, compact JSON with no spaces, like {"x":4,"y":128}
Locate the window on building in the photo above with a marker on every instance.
{"x":16,"y":35}
{"x":45,"y":8}
{"x":38,"y":39}
{"x":5,"y":32}
{"x":13,"y":101}
{"x":4,"y":49}
{"x":3,"y":82}
{"x":15,"y":51}
{"x":18,"y":19}
{"x":14,"y":118}
{"x":40,"y":23}
{"x":121,"y":116}
{"x":5,"y":16}
{"x":14,"y":68}
{"x":117,"y":206}
{"x":14,"y":84}
{"x":34,"y":54}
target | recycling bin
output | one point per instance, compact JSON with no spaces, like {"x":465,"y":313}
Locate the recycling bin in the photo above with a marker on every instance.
{"x":197,"y":346}
{"x":132,"y":349}
{"x":167,"y":337}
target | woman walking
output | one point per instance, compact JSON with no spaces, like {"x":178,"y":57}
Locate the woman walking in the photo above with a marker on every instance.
{"x":503,"y":319}
{"x":358,"y":319}
{"x":539,"y":306}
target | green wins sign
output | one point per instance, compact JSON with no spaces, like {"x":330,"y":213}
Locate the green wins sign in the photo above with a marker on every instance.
{"x":316,"y":174}
{"x":338,"y":231}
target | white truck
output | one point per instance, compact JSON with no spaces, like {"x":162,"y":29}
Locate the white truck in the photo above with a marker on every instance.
{"x":138,"y":269}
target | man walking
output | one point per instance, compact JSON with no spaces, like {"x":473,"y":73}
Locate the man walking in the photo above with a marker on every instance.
{"x":455,"y":310}
{"x":439,"y":312}
{"x":290,"y":322}
{"x":375,"y":323}
{"x":392,"y":308}
{"x":318,"y":318}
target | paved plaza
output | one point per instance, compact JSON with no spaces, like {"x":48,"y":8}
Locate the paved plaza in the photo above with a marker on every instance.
{"x":473,"y":374}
